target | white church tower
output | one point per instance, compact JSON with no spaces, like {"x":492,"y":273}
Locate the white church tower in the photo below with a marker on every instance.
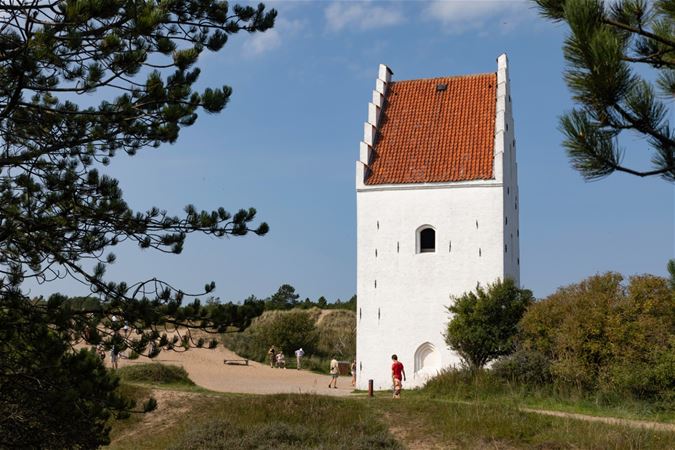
{"x":437,"y":213}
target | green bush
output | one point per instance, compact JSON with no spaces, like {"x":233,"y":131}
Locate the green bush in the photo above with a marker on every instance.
{"x":524,"y":367}
{"x":321,"y":333}
{"x":155,"y":373}
{"x":484,"y":323}
{"x":603,"y":337}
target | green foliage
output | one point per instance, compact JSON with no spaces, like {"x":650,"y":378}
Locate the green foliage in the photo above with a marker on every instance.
{"x":333,"y":333}
{"x":288,"y":332}
{"x":607,"y":51}
{"x":61,"y":216}
{"x":528,"y":368}
{"x":484,"y":323}
{"x":602,"y":336}
{"x":42,"y":381}
{"x":284,"y":298}
{"x":155,"y":373}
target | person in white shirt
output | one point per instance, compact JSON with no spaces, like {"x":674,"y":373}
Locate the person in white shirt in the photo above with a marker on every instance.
{"x":334,"y":372}
{"x":299,"y":353}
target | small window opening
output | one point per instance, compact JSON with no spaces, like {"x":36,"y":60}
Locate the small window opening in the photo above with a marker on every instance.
{"x":397,"y":247}
{"x":480,"y":252}
{"x":427,"y":240}
{"x":378,"y":313}
{"x":508,"y":191}
{"x":518,"y":261}
{"x":507,"y":127}
{"x":376,"y":253}
{"x":450,"y":246}
{"x":378,"y":224}
{"x":375,"y":284}
{"x":476,"y":224}
{"x":505,"y":248}
{"x":518,"y":232}
{"x":506,"y":222}
{"x":441,"y":87}
{"x":360,"y":313}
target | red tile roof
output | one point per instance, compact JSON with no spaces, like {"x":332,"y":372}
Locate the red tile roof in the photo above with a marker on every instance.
{"x":430,"y":136}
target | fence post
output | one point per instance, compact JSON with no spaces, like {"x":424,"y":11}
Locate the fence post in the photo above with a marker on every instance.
{"x":370,"y":388}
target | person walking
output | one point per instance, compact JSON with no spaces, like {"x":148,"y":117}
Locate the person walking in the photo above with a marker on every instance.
{"x":299,"y":353}
{"x":113,"y":357}
{"x":272,"y":354}
{"x":334,"y":372}
{"x":397,"y":371}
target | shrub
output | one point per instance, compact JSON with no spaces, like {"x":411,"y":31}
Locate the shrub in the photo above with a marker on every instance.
{"x":601,"y":336}
{"x":155,"y":373}
{"x":524,"y":367}
{"x":484,"y":323}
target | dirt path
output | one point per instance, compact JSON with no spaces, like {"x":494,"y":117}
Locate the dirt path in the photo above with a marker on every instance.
{"x":206,"y":368}
{"x":608,"y":420}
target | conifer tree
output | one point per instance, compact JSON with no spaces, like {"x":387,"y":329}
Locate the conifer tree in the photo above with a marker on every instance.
{"x":611,"y":48}
{"x":60,"y":216}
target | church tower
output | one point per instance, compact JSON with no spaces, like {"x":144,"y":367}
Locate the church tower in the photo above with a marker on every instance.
{"x":437,"y":213}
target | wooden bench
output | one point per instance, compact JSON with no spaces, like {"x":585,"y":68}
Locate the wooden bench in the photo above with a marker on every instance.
{"x":236,"y":362}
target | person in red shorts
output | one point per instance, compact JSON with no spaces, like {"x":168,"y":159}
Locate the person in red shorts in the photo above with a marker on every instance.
{"x":397,"y":371}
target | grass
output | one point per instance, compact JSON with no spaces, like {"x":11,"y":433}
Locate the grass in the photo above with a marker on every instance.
{"x":155,"y":373}
{"x":266,"y":422}
{"x":484,"y":388}
{"x":476,"y":426}
{"x":454,"y":411}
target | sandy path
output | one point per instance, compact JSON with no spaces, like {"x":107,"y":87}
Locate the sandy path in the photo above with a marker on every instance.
{"x":206,"y":368}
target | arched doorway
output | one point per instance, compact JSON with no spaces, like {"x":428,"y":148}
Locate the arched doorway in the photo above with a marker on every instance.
{"x":427,"y":360}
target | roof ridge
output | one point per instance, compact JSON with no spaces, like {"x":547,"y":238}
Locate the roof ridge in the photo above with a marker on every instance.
{"x":446,"y":77}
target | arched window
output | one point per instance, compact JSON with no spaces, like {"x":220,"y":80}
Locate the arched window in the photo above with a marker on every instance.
{"x":426,"y":239}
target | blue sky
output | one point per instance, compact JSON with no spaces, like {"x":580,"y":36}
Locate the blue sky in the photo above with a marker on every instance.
{"x":287,"y":142}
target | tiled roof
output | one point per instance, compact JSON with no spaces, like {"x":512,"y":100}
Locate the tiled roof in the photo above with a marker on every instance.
{"x":430,"y":136}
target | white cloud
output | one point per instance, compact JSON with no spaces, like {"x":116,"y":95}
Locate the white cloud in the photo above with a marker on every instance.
{"x":464,"y":15}
{"x":362,"y":15}
{"x":259,"y":43}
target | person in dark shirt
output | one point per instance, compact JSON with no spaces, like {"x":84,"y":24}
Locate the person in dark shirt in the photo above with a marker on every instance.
{"x":397,"y":373}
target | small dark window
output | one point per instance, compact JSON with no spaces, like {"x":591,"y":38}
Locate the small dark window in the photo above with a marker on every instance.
{"x":508,"y":191}
{"x":427,"y":240}
{"x":378,"y":224}
{"x":518,"y":232}
{"x":505,"y":248}
{"x":507,"y":127}
{"x":375,"y":284}
{"x":450,"y":246}
{"x":506,"y":222}
{"x":376,"y":253}
{"x":378,"y":313}
{"x":518,"y":261}
{"x":359,"y":313}
{"x":440,"y":87}
{"x":480,"y":253}
{"x":476,"y":224}
{"x":397,"y":247}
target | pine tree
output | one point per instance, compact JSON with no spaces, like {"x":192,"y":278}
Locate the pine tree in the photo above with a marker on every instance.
{"x":61,"y":217}
{"x":610,"y":49}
